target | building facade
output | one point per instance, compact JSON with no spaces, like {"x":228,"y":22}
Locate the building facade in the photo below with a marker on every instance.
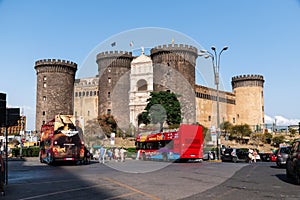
{"x":124,"y":82}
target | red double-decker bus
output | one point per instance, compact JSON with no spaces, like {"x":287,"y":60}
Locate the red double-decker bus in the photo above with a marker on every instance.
{"x":183,"y":144}
{"x":61,"y":139}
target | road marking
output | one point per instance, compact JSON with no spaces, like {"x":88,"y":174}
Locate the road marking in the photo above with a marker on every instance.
{"x":120,"y":196}
{"x":131,"y":188}
{"x":60,"y":192}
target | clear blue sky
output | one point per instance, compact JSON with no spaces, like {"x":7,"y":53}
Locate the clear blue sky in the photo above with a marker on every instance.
{"x":263,"y":38}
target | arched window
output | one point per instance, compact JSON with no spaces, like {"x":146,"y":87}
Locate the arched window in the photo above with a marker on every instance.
{"x":142,"y":85}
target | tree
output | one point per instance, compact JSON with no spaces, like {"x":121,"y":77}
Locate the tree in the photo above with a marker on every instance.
{"x":241,"y":131}
{"x":226,"y":126}
{"x":277,"y":140}
{"x":108,"y":125}
{"x":162,"y":106}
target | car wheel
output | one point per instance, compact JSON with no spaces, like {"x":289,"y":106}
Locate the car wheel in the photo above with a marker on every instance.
{"x":288,"y":174}
{"x":234,"y":159}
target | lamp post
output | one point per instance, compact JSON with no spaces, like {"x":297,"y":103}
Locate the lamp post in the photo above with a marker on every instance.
{"x":215,"y":58}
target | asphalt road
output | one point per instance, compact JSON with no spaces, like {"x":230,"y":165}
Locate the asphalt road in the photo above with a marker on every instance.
{"x":148,"y":180}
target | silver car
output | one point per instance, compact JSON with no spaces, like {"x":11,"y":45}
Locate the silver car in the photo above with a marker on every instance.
{"x":282,"y":155}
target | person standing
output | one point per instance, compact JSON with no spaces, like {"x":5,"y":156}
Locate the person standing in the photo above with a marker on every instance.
{"x":117,"y":154}
{"x":254,"y":155}
{"x":2,"y":174}
{"x":102,"y":155}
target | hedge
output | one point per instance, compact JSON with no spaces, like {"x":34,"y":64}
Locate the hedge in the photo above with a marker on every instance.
{"x":26,"y":152}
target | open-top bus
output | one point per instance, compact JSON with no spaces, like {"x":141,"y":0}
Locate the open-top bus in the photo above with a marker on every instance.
{"x":186,"y":143}
{"x":61,"y":140}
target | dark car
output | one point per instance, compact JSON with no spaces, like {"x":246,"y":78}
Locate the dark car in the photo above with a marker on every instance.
{"x":293,"y":162}
{"x":282,"y":155}
{"x":235,"y":155}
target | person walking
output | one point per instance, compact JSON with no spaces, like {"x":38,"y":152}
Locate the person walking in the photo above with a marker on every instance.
{"x":122,"y":154}
{"x":102,"y":155}
{"x":254,"y":155}
{"x":2,"y":175}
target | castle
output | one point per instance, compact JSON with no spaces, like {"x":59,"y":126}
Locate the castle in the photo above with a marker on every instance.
{"x":124,"y":83}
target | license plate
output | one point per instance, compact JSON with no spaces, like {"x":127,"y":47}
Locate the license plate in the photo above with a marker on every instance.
{"x":69,"y":158}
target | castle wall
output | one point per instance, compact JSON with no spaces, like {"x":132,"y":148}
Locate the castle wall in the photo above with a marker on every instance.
{"x":206,"y":101}
{"x":86,"y":100}
{"x":55,"y":89}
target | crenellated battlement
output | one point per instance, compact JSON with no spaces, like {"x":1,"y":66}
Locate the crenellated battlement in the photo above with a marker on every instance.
{"x":250,"y":80}
{"x":114,"y":54}
{"x":248,"y":77}
{"x":175,"y":47}
{"x":56,"y":62}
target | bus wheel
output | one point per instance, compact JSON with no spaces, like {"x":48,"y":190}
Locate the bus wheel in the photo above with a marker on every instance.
{"x":144,"y":156}
{"x":165,"y":157}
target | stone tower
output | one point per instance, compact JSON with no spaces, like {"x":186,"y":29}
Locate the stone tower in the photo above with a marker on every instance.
{"x":174,"y":70}
{"x":249,"y":99}
{"x":114,"y":85}
{"x":55,"y":89}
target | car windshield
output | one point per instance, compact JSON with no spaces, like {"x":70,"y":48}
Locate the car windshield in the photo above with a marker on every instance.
{"x":285,"y":150}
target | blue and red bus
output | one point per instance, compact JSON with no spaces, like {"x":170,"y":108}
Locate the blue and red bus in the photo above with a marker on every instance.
{"x":61,"y":140}
{"x":186,"y":143}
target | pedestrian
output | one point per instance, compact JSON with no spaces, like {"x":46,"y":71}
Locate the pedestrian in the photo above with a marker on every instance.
{"x":254,"y":155}
{"x":117,"y":154}
{"x":2,"y":175}
{"x":109,"y":154}
{"x":102,"y":155}
{"x":122,"y":154}
{"x":250,"y":155}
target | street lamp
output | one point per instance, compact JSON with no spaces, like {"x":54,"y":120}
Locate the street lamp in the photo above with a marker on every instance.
{"x":216,"y":67}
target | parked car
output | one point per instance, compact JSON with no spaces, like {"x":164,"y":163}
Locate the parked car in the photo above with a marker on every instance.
{"x":235,"y":155}
{"x":266,"y":157}
{"x":293,"y":162}
{"x":282,"y":155}
{"x":274,"y":155}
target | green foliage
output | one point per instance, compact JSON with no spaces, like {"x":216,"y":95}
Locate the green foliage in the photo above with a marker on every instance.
{"x":109,"y":125}
{"x":292,"y":131}
{"x":268,"y":137}
{"x":162,"y":106}
{"x":240,"y":131}
{"x":226,"y":126}
{"x":277,"y":140}
{"x":26,"y":152}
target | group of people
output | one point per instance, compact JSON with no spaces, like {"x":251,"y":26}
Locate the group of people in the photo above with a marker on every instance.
{"x":252,"y":154}
{"x":115,"y":153}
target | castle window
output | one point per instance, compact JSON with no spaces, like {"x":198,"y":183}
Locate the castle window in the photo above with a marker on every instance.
{"x":91,"y":93}
{"x":95,"y":93}
{"x":76,"y":94}
{"x":263,"y":108}
{"x":88,"y":114}
{"x":44,"y":112}
{"x":108,"y":94}
{"x":80,"y":94}
{"x":233,"y":120}
{"x":109,"y":69}
{"x":44,"y":98}
{"x":209,"y":118}
{"x":108,"y":111}
{"x":238,"y":115}
{"x":83,"y":93}
{"x":45,"y":78}
{"x":262,"y":94}
{"x":43,"y":122}
{"x":142,"y":85}
{"x":109,"y":80}
{"x":44,"y":85}
{"x":87,"y":93}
